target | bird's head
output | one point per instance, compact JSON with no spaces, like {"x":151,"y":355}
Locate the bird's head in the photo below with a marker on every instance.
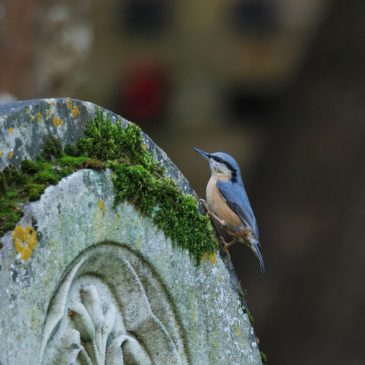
{"x":221,"y":163}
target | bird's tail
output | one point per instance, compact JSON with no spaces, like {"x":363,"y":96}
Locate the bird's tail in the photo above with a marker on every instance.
{"x":256,"y":248}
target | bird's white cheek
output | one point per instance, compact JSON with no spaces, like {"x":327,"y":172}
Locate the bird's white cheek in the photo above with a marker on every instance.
{"x":213,"y":165}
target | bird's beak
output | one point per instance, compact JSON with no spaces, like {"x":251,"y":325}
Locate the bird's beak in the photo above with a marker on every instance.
{"x":202,"y":153}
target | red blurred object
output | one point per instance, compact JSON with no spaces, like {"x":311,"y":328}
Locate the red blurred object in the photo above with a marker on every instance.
{"x":144,"y":93}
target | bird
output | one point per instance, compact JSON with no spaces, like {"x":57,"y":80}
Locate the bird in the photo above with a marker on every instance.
{"x":228,"y":205}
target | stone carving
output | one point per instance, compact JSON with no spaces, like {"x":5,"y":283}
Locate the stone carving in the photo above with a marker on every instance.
{"x":83,"y":281}
{"x":101,"y":314}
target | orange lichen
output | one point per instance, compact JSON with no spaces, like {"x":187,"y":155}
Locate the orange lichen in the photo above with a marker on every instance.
{"x":39,"y":117}
{"x":75,"y":111}
{"x":10,"y":155}
{"x":212,"y":258}
{"x":209,"y":256}
{"x":10,"y":130}
{"x":25,"y":240}
{"x":101,"y":205}
{"x":55,"y":121}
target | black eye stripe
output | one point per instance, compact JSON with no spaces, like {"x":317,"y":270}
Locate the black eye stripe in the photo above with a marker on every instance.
{"x":218,"y":159}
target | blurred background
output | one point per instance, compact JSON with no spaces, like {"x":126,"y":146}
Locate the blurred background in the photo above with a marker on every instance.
{"x":280,"y":85}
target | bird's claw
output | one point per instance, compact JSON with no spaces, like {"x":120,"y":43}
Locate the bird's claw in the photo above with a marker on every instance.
{"x":226,"y":246}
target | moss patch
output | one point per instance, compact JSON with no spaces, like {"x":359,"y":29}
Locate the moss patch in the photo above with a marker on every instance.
{"x":137,"y":178}
{"x":29,"y":182}
{"x":263,"y":357}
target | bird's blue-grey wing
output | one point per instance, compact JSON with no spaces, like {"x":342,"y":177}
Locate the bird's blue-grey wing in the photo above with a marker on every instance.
{"x":235,"y":196}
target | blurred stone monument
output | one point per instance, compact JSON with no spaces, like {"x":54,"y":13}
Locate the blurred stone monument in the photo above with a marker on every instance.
{"x":86,"y":281}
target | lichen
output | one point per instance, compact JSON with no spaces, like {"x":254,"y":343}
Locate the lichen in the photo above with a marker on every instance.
{"x":101,"y":205}
{"x":25,"y":240}
{"x":137,"y":178}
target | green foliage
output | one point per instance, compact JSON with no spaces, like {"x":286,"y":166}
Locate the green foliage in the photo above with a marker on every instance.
{"x":29,"y":167}
{"x":137,"y":178}
{"x":33,"y":191}
{"x":72,"y":150}
{"x":51,"y":148}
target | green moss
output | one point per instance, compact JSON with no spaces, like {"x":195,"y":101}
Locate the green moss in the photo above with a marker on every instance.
{"x":72,"y":150}
{"x":9,"y":212}
{"x":250,"y":316}
{"x":29,"y":166}
{"x":108,"y":141}
{"x":263,"y":357}
{"x":33,"y":191}
{"x":19,"y":186}
{"x":137,"y":178}
{"x":173,"y":212}
{"x":51,"y":148}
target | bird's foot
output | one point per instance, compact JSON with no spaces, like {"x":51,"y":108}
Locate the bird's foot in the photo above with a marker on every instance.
{"x":227,"y":245}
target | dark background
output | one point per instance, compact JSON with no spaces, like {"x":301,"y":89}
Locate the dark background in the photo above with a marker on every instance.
{"x":278,"y":84}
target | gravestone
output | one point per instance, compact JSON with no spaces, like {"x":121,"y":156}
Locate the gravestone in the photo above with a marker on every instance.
{"x":86,"y":281}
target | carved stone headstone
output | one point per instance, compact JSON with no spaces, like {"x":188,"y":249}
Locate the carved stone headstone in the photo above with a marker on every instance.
{"x":83,"y":281}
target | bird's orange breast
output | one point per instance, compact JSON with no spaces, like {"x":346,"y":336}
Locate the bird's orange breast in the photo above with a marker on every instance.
{"x":218,"y":205}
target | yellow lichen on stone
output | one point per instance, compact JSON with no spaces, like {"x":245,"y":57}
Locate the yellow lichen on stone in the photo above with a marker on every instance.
{"x":10,"y":130}
{"x":75,"y":111}
{"x":25,"y":240}
{"x":69,"y":104}
{"x":39,"y":117}
{"x":101,"y":205}
{"x":237,"y":330}
{"x":10,"y":155}
{"x":48,"y":113}
{"x":209,"y":256}
{"x":212,"y":258}
{"x":1,"y":153}
{"x":56,"y":121}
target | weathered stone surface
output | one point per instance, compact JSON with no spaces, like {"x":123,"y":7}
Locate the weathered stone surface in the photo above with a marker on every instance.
{"x":102,"y":285}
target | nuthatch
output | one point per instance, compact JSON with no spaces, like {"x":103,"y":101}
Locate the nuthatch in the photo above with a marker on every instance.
{"x":228,"y":205}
